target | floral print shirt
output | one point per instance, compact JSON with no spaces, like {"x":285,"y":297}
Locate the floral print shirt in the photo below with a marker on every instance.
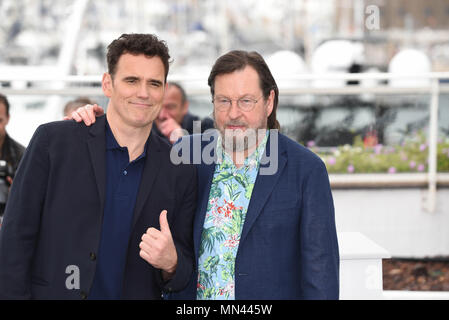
{"x":229,"y":198}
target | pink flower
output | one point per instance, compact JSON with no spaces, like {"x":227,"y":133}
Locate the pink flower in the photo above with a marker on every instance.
{"x":421,"y":167}
{"x":311,"y":144}
{"x":412,"y":164}
{"x":232,"y":242}
{"x":392,"y":170}
{"x":390,"y":150}
{"x":422,"y":147}
{"x":378,"y":149}
{"x":351,"y":168}
{"x":218,"y":219}
{"x":331,"y":161}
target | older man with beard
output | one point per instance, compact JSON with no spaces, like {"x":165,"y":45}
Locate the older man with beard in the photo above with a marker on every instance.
{"x":264,"y":226}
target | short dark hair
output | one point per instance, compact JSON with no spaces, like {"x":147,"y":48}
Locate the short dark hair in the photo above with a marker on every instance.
{"x":4,"y":100}
{"x":238,"y":60}
{"x":137,"y":43}
{"x":181,"y":89}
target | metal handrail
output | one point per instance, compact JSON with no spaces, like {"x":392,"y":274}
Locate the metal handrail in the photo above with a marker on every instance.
{"x":433,"y":89}
{"x":183,"y":78}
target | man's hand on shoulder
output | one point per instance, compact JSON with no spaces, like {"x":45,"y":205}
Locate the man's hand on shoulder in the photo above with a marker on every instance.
{"x":87,"y":114}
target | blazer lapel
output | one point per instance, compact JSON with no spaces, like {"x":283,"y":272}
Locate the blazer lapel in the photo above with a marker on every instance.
{"x":97,"y":145}
{"x":205,"y":174}
{"x":264,"y":185}
{"x":153,"y":162}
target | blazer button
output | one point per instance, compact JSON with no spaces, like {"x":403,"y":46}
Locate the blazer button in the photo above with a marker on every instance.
{"x":83,"y":295}
{"x":93,"y":257}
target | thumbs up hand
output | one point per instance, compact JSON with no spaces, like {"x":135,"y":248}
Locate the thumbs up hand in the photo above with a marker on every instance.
{"x":157,"y":247}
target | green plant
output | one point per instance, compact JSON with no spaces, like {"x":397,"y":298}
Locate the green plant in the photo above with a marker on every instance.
{"x":410,"y":156}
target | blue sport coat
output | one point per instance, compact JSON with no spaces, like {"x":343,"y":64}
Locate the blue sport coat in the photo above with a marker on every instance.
{"x":288,"y":247}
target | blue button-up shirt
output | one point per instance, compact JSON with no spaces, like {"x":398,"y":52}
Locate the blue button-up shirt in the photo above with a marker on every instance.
{"x":122,"y":184}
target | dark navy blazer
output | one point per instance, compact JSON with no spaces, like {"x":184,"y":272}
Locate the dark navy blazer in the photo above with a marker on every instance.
{"x":53,"y":218}
{"x":288,"y":247}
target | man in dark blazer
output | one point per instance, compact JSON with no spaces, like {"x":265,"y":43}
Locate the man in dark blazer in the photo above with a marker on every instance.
{"x":100,"y":212}
{"x":285,"y":243}
{"x":287,"y":247}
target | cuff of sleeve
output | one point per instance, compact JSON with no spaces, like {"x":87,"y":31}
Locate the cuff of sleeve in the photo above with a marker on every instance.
{"x":181,"y":276}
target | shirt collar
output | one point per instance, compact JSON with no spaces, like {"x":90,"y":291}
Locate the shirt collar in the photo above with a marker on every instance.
{"x":111,"y":142}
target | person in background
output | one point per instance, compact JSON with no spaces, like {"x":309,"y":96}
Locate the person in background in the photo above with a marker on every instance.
{"x":175,"y":120}
{"x":11,"y":153}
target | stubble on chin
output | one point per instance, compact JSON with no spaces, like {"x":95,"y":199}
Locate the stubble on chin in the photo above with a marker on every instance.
{"x":241,"y":140}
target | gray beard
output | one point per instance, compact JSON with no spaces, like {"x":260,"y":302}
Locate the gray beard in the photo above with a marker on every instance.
{"x":238,"y":140}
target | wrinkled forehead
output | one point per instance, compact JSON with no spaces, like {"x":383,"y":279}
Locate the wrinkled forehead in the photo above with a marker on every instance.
{"x":142,"y":66}
{"x":237,"y":83}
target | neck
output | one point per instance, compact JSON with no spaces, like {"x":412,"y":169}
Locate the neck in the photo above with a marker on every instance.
{"x":238,"y":157}
{"x":133,"y":138}
{"x":2,"y":139}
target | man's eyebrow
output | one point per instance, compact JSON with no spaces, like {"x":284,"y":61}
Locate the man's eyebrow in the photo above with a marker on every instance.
{"x":155,"y":81}
{"x":130,"y":78}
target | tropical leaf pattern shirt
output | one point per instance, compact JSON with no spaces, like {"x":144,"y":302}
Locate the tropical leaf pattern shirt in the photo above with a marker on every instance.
{"x":229,"y":197}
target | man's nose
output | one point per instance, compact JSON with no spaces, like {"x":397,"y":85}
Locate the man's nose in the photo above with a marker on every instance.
{"x":143,"y":91}
{"x":162,"y":114}
{"x":234,"y":111}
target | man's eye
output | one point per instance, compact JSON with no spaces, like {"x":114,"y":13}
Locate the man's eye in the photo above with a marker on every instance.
{"x":155,"y":84}
{"x":223,"y":101}
{"x":246,"y":101}
{"x":170,"y":106}
{"x":131,"y":80}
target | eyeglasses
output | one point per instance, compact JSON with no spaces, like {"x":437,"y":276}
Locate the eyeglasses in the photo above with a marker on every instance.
{"x":244,"y":104}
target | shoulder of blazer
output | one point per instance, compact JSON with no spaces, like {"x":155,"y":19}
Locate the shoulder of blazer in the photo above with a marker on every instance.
{"x":297,"y":152}
{"x":68,"y":129}
{"x":161,"y":143}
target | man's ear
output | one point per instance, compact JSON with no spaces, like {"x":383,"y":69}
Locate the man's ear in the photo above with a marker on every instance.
{"x":185,"y":108}
{"x":107,"y":85}
{"x":270,"y":103}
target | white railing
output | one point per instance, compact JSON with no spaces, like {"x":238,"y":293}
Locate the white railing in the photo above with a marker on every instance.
{"x":91,"y":86}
